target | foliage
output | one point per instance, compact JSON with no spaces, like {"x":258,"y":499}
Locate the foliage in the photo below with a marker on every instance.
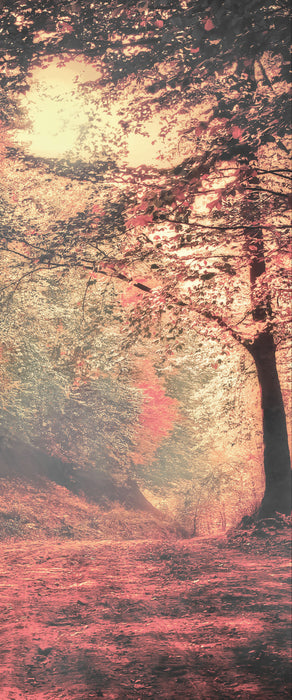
{"x":170,"y":182}
{"x":183,"y":224}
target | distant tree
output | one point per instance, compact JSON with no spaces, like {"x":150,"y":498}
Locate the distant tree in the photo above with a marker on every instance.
{"x":206,"y":240}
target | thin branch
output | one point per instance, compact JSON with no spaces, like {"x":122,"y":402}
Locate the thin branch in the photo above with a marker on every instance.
{"x":18,"y":282}
{"x":262,"y":189}
{"x":222,"y":228}
{"x":84,"y":298}
{"x":266,"y":77}
{"x":16,"y":252}
{"x":275,"y":172}
{"x":211,"y":316}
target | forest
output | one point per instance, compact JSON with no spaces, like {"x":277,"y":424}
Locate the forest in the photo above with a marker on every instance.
{"x":145,"y":349}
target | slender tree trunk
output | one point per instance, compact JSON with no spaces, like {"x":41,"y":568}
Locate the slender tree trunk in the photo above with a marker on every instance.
{"x":277,"y":496}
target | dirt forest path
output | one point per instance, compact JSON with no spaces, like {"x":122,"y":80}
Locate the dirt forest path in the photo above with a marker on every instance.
{"x":141,"y":620}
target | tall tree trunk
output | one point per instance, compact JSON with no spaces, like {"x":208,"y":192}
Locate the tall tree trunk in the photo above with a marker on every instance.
{"x":277,"y":496}
{"x":277,"y":465}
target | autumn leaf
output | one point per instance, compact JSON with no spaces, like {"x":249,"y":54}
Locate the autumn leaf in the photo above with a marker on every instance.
{"x":130,"y":296}
{"x":237,"y":132}
{"x":65,"y":27}
{"x":209,"y":25}
{"x":96,"y":209}
{"x":141,"y":220}
{"x":179,"y":195}
{"x":215,"y":203}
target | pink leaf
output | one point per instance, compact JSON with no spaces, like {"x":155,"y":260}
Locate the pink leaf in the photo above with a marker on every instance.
{"x":65,"y":27}
{"x":96,"y":209}
{"x":141,"y":220}
{"x":209,"y":25}
{"x":237,"y":132}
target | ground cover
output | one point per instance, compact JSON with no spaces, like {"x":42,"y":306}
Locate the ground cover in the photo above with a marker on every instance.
{"x":144,"y":619}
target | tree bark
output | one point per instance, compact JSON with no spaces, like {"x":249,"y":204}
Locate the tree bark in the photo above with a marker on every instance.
{"x":277,"y":465}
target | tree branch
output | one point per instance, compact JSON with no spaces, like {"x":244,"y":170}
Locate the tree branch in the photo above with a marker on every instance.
{"x":262,"y":189}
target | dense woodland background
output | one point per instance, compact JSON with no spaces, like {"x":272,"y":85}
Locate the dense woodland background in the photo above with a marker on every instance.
{"x":145,"y":255}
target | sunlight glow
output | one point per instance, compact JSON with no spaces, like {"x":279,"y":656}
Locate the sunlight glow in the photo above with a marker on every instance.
{"x":56,"y":107}
{"x":56,"y":125}
{"x":67,"y":112}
